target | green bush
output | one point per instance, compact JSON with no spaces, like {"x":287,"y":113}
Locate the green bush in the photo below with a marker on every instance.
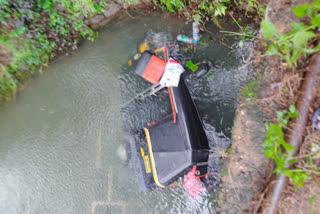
{"x":195,"y":10}
{"x":33,"y":31}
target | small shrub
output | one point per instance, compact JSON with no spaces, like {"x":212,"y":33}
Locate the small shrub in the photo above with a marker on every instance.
{"x":290,"y":46}
{"x":277,"y":149}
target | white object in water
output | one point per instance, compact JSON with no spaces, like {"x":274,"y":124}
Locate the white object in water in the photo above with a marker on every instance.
{"x":122,"y":153}
{"x":172,"y":73}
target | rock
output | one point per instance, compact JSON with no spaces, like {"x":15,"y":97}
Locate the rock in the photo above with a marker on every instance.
{"x":203,"y":70}
{"x":125,"y":4}
{"x":95,"y":19}
{"x":111,"y":10}
{"x":101,"y":19}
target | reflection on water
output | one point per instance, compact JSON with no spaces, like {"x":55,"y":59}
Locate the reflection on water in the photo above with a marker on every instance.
{"x":59,"y":138}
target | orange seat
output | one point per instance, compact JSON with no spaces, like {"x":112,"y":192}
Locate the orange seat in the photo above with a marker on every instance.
{"x":154,"y":69}
{"x":150,"y":67}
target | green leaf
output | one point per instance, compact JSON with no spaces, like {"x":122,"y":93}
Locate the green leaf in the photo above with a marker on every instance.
{"x":294,"y":114}
{"x":315,"y":20}
{"x":268,"y":29}
{"x":297,"y":178}
{"x":297,"y":27}
{"x":300,"y":10}
{"x":301,"y":38}
{"x":287,"y":172}
{"x":98,"y":8}
{"x":194,"y":67}
{"x":272,"y":50}
{"x":280,"y":115}
{"x":279,"y":165}
{"x":292,"y":108}
{"x":287,"y":146}
{"x":191,"y":65}
{"x":268,"y":153}
{"x":170,"y":7}
{"x":316,"y":4}
{"x":197,"y":18}
{"x":274,"y":129}
{"x":220,"y":9}
{"x":304,"y":175}
{"x":208,"y":75}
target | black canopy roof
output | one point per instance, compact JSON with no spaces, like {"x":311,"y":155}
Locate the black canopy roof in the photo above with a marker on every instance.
{"x":175,"y":147}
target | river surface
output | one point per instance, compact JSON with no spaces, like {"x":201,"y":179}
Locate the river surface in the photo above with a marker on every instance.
{"x":58,"y":139}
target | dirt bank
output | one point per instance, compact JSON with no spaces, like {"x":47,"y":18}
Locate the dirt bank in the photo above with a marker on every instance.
{"x":276,"y":87}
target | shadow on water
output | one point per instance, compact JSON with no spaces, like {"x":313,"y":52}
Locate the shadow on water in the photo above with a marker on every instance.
{"x":59,"y":138}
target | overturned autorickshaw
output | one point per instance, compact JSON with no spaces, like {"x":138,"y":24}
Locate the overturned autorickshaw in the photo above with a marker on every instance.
{"x":175,"y":146}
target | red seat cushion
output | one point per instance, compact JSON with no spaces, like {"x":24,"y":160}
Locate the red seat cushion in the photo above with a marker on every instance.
{"x":154,"y":69}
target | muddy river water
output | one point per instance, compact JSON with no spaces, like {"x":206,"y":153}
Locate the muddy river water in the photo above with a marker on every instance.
{"x":58,"y":139}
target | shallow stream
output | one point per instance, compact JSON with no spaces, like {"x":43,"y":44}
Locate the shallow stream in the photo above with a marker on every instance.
{"x":58,"y":139}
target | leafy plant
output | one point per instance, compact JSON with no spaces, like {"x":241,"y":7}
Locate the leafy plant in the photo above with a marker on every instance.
{"x":289,"y":46}
{"x":191,"y":65}
{"x":277,"y":149}
{"x":248,"y":90}
{"x":258,"y":7}
{"x":284,"y":116}
{"x":195,"y":10}
{"x":33,"y":31}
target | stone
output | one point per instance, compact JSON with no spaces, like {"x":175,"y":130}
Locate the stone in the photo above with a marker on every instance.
{"x":111,"y":10}
{"x":133,"y":3}
{"x":95,"y":19}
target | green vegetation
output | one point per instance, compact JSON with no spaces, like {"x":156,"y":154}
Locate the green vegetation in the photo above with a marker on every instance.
{"x":290,"y":46}
{"x":209,"y":74}
{"x":191,"y":65}
{"x":275,"y":146}
{"x":248,"y":90}
{"x":200,"y":10}
{"x":34,"y":31}
{"x":195,"y":10}
{"x":277,"y":149}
